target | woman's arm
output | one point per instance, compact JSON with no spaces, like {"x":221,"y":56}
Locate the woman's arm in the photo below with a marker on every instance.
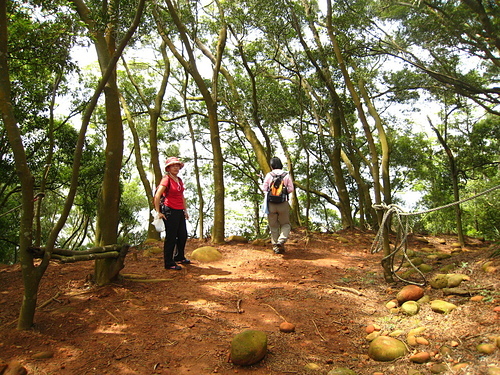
{"x":289,"y":183}
{"x":265,"y":185}
{"x":158,"y":194}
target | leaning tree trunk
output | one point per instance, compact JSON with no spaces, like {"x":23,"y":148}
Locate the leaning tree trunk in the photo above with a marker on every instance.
{"x":209,"y":97}
{"x":30,"y":274}
{"x":154,"y":115}
{"x":454,"y":179}
{"x":336,"y":121}
{"x":109,"y":199}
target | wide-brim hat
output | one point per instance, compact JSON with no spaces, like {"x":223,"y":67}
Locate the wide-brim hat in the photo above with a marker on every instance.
{"x":173,"y":160}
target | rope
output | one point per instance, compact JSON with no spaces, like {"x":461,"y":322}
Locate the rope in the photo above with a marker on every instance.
{"x":445,"y":206}
{"x":401,"y":242}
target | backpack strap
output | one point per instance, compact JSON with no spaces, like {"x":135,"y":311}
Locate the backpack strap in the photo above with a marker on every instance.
{"x":167,"y":188}
{"x":275,"y":178}
{"x":282,"y":174}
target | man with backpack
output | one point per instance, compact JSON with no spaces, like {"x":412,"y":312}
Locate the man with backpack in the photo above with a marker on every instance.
{"x":278,"y":184}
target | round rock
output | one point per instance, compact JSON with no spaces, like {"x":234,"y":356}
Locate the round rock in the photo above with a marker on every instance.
{"x":410,"y":293}
{"x":385,"y":349}
{"x":287,"y":327}
{"x":248,"y":347}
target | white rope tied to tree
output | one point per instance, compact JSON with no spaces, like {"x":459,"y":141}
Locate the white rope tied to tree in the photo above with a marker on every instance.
{"x":402,"y":234}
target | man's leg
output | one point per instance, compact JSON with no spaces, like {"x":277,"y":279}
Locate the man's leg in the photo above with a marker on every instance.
{"x":274,"y":225}
{"x":284,"y":223}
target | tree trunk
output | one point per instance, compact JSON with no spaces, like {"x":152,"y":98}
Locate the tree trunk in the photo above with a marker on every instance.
{"x":154,"y":114}
{"x":109,"y":199}
{"x":336,"y":119}
{"x":152,"y":233}
{"x":374,"y":162}
{"x":199,"y":189}
{"x":365,"y":200}
{"x":294,"y":202}
{"x":262,"y":156}
{"x":384,"y":144}
{"x":454,"y":180}
{"x":211,"y":104}
{"x":31,"y":276}
{"x":334,"y":156}
{"x":388,"y":258}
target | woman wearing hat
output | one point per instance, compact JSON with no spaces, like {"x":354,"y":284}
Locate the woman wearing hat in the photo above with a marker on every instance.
{"x":170,"y":193}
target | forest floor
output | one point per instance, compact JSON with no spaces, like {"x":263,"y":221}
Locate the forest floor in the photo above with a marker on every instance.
{"x":330,"y":286}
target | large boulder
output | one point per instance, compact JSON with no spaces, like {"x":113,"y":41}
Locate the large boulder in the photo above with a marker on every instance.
{"x":248,"y":347}
{"x":206,"y":254}
{"x":385,"y":349}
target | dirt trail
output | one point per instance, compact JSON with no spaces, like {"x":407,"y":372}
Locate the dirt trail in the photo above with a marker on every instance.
{"x":330,"y":286}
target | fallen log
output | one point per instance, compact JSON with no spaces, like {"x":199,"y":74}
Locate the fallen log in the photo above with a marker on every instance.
{"x":78,"y":258}
{"x":40,"y":251}
{"x":118,"y":252}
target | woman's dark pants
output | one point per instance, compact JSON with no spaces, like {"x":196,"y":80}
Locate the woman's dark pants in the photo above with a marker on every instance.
{"x":175,"y":236}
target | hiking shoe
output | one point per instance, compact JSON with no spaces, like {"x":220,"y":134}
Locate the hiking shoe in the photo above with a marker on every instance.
{"x":174,"y":267}
{"x":278,"y":248}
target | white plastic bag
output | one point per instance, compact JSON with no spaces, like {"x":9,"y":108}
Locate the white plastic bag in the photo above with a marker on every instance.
{"x":157,"y":221}
{"x":265,"y":205}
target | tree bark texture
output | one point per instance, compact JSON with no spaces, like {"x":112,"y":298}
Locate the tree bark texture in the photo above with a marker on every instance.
{"x":31,"y":274}
{"x":211,"y":104}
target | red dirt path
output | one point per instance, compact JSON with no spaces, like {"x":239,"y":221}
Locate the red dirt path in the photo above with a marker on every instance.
{"x":182,"y":322}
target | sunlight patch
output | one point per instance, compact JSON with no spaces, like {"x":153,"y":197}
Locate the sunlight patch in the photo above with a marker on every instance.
{"x":117,"y":329}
